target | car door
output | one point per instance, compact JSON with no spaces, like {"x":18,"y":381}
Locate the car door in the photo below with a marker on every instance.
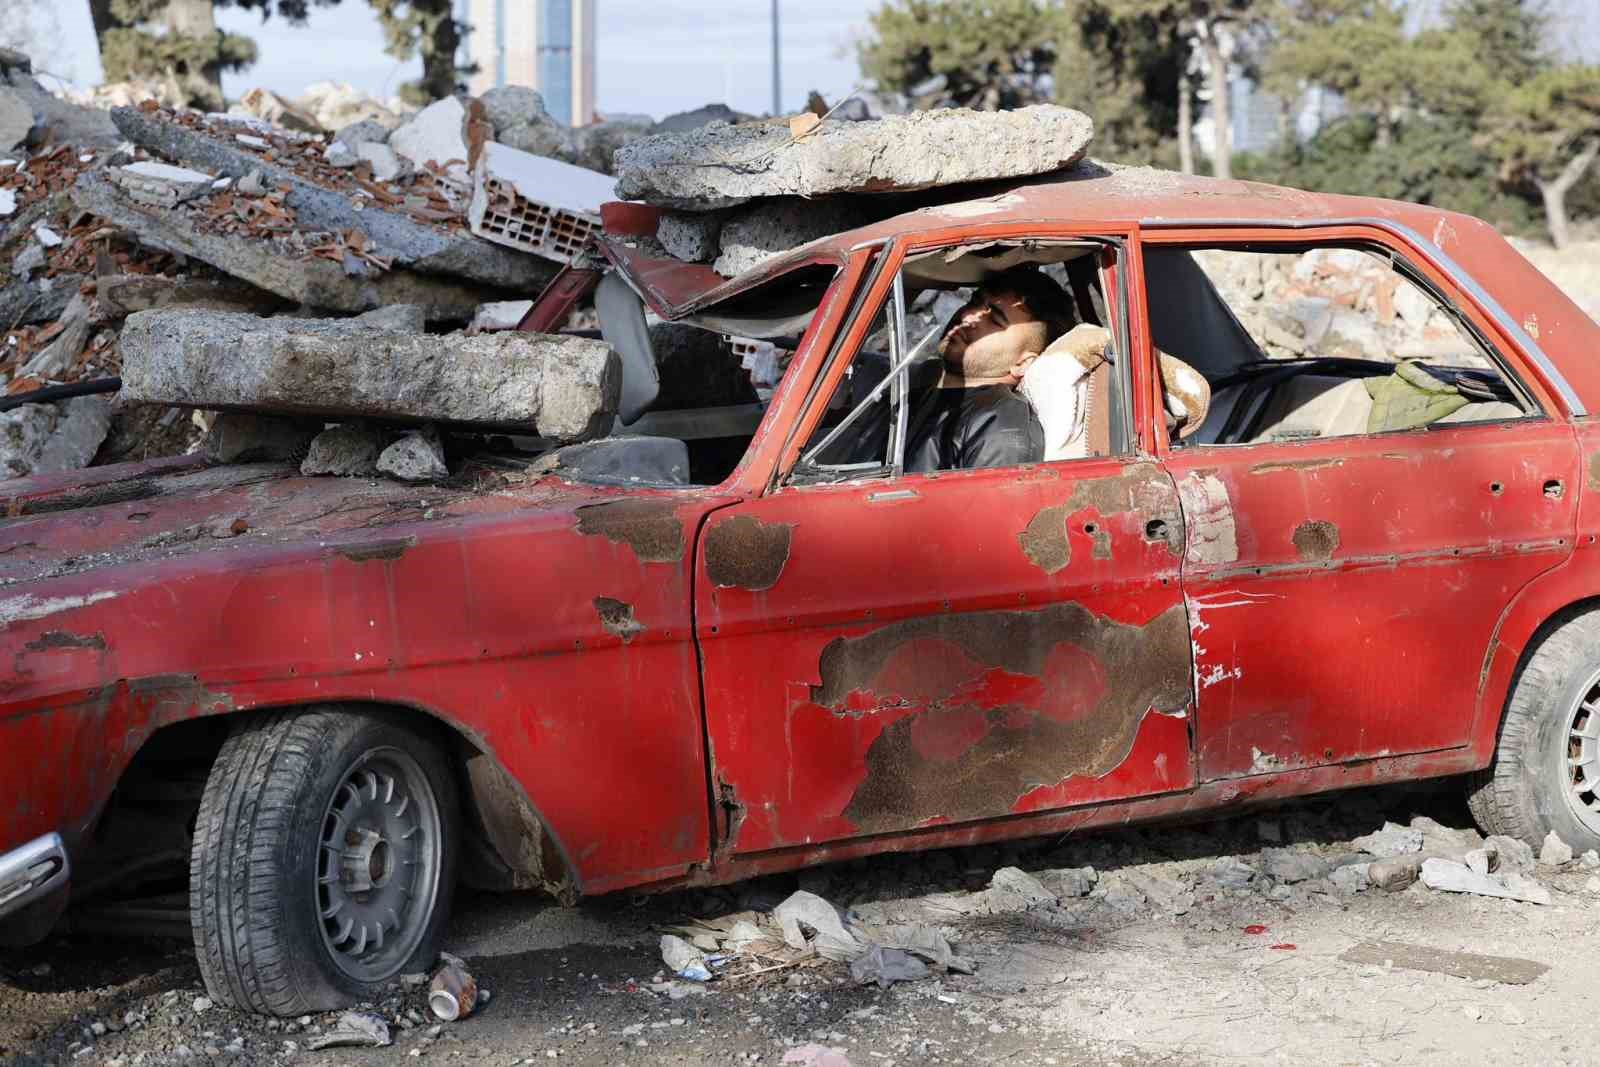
{"x":886,"y":651}
{"x":1344,"y":575}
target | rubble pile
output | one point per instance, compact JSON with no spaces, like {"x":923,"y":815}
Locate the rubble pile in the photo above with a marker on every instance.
{"x":1330,"y":302}
{"x":738,"y":195}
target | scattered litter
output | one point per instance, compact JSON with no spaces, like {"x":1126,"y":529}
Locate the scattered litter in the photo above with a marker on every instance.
{"x":886,"y":966}
{"x":830,"y":938}
{"x":454,"y":993}
{"x":1254,"y":929}
{"x":1504,"y":969}
{"x":684,"y":959}
{"x":354,"y":1028}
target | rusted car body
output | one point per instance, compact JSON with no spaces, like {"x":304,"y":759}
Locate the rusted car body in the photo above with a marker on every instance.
{"x":650,"y":687}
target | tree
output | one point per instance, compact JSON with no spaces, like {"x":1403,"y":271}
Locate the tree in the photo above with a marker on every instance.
{"x":1508,"y":33}
{"x":987,"y":54}
{"x":1546,"y":132}
{"x":428,"y":27}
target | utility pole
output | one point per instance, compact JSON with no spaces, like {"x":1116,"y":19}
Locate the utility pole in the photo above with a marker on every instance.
{"x":777,"y":65}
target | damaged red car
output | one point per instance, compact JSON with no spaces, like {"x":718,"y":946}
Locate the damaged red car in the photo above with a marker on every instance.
{"x":1318,"y":510}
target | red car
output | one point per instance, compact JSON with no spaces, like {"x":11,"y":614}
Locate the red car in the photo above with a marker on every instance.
{"x":736,"y":641}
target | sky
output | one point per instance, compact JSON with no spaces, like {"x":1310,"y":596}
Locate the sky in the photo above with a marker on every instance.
{"x":654,"y":57}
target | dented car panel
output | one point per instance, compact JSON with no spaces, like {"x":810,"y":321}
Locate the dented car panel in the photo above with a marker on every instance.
{"x":959,"y":647}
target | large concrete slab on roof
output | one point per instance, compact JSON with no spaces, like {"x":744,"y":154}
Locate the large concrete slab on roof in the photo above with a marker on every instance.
{"x":718,"y":166}
{"x":560,"y":387}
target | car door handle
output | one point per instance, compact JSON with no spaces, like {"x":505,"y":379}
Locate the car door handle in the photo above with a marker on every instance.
{"x":888,"y":495}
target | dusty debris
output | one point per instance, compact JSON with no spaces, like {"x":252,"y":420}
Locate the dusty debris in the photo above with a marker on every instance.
{"x":1392,"y":840}
{"x":683,"y":959}
{"x":349,"y":449}
{"x":751,"y":236}
{"x":1555,"y":852}
{"x":1455,"y":877}
{"x":718,"y":166}
{"x":564,"y":388}
{"x":1507,"y":970}
{"x":418,"y":456}
{"x":354,"y":1029}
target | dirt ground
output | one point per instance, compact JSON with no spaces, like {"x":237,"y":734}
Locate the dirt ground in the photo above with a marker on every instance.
{"x":1209,"y":943}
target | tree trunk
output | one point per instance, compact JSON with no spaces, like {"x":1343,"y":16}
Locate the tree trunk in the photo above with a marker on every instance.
{"x":102,"y":18}
{"x":197,"y":19}
{"x":441,"y":39}
{"x":1555,"y":192}
{"x":1185,"y":124}
{"x":1221,"y":103}
{"x":1385,"y":136}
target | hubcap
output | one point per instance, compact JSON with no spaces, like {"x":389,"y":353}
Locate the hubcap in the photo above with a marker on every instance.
{"x":1583,"y":757}
{"x":378,"y":865}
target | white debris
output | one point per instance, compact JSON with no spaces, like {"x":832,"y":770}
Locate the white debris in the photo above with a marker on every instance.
{"x":47,"y":237}
{"x":8,"y":202}
{"x":1555,"y":852}
{"x":1455,"y":877}
{"x":435,"y":136}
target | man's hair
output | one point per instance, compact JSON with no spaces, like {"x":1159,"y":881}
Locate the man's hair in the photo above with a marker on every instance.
{"x":1047,"y":300}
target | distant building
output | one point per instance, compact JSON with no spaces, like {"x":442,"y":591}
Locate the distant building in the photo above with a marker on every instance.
{"x":546,"y":45}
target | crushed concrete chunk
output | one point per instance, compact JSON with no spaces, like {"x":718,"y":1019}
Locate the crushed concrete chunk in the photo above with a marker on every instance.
{"x":52,"y":361}
{"x":16,"y":119}
{"x":52,"y":438}
{"x":161,"y":184}
{"x":718,"y":166}
{"x":399,"y":318}
{"x":350,"y":449}
{"x":563,"y":388}
{"x":386,"y":165}
{"x":436,"y":135}
{"x":1392,"y":840}
{"x":690,"y":236}
{"x":751,"y":237}
{"x":1459,"y":878}
{"x":417,"y":456}
{"x":1510,"y":853}
{"x":1394,"y":874}
{"x":366,"y":131}
{"x":512,"y":105}
{"x":240,"y":437}
{"x":1554,"y":852}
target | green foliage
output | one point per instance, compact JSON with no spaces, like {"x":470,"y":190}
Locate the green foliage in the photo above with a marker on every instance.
{"x":1536,"y":129}
{"x":427,"y":27}
{"x":1429,"y":161}
{"x":991,"y":53}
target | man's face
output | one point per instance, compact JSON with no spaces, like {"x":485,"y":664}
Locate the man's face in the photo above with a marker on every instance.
{"x":991,"y":334}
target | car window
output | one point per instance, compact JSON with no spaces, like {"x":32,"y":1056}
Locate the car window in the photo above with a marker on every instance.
{"x":1325,"y":341}
{"x":992,"y":355}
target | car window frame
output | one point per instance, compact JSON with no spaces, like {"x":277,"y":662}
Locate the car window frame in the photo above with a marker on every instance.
{"x":878,"y":293}
{"x":1413,"y":264}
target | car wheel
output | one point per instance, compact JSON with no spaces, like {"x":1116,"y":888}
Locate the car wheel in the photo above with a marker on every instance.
{"x":324,"y":859}
{"x":1546,"y":770}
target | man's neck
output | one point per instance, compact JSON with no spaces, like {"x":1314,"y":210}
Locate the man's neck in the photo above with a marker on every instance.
{"x":957,"y":381}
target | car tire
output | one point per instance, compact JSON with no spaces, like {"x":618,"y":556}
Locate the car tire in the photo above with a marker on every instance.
{"x":324,"y":859}
{"x":1534,"y":786}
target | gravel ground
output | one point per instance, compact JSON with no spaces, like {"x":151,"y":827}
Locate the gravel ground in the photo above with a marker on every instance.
{"x":1209,"y":943}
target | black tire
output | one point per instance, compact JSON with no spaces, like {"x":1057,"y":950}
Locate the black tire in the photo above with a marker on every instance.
{"x":1528,"y":790}
{"x":255,"y":899}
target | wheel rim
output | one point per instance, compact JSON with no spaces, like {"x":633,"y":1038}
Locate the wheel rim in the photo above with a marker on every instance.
{"x":378,"y":865}
{"x":1582,"y":751}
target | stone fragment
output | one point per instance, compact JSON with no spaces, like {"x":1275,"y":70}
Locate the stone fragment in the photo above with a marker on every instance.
{"x":756,"y":234}
{"x":16,"y":119}
{"x":52,"y":438}
{"x":435,"y":135}
{"x":1590,"y":860}
{"x":350,"y":449}
{"x":315,"y":282}
{"x":386,"y":165}
{"x":1013,"y":889}
{"x":684,"y":121}
{"x":1394,"y":874}
{"x":1351,"y":878}
{"x":354,"y":1029}
{"x":396,"y":318}
{"x":717,"y":166}
{"x":30,"y":259}
{"x":1289,"y":865}
{"x":61,"y":354}
{"x":1392,"y":840}
{"x":418,"y":456}
{"x":690,"y":236}
{"x":160,"y":184}
{"x":1232,"y":873}
{"x":241,"y":437}
{"x":1444,"y":841}
{"x":1510,"y":853}
{"x":268,"y":106}
{"x":339,"y":154}
{"x":1554,"y":852}
{"x":541,"y":137}
{"x":8,"y":202}
{"x":62,"y":121}
{"x":512,"y":105}
{"x":366,"y":131}
{"x":119,"y":295}
{"x":562,"y":387}
{"x":412,"y":244}
{"x":1069,"y":882}
{"x":499,"y":315}
{"x":1459,"y":878}
{"x":595,"y":146}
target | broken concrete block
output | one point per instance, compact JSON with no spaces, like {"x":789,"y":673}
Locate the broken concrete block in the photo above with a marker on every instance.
{"x":62,"y":121}
{"x":339,"y":154}
{"x":538,"y":205}
{"x":513,"y":105}
{"x":411,"y":243}
{"x":1069,"y":882}
{"x":563,"y":388}
{"x":1394,"y":874}
{"x":160,"y":184}
{"x":270,"y":265}
{"x":718,"y":166}
{"x":386,"y":166}
{"x":16,"y":119}
{"x":436,"y":135}
{"x":690,"y":236}
{"x":51,"y":438}
{"x":30,"y":259}
{"x":240,"y":437}
{"x":26,"y":302}
{"x":397,"y":318}
{"x":595,"y":147}
{"x":1459,"y":878}
{"x":1289,"y":865}
{"x":350,"y":449}
{"x":1014,"y":889}
{"x":417,"y":456}
{"x":759,"y":233}
{"x":54,"y":359}
{"x":500,"y":315}
{"x":120,"y":295}
{"x":1554,"y":852}
{"x":1510,"y":853}
{"x":684,"y":121}
{"x":1392,"y":840}
{"x":366,"y":131}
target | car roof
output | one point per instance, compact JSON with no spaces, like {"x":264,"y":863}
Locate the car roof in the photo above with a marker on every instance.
{"x":1526,"y":304}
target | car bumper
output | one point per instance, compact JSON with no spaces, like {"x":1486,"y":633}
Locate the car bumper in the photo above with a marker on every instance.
{"x":32,"y":872}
